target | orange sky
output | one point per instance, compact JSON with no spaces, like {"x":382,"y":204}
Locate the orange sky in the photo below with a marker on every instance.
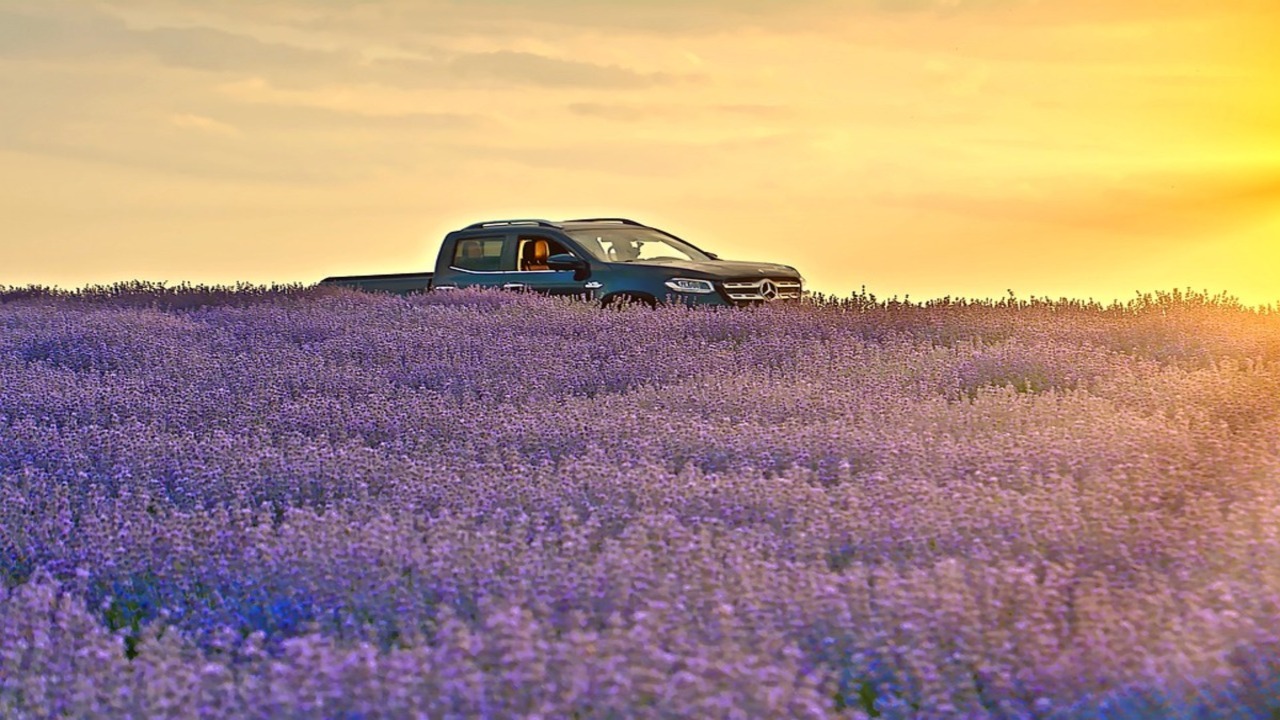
{"x":914,"y":147}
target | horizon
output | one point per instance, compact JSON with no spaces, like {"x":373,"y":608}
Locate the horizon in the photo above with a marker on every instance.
{"x":918,"y":149}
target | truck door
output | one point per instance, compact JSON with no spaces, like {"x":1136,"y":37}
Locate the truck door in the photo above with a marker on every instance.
{"x":482,"y":261}
{"x":532,"y":251}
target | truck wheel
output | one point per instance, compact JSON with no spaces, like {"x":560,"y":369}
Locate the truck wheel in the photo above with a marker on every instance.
{"x":624,"y":299}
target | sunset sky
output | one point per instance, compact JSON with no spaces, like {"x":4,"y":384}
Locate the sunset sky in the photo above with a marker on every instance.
{"x":1080,"y":148}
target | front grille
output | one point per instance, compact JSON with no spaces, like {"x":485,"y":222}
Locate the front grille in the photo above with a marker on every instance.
{"x":756,"y":289}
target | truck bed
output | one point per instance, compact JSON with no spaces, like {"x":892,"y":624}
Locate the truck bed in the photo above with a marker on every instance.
{"x":389,"y":282}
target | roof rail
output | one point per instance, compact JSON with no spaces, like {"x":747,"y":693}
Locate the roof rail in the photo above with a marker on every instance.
{"x":624,"y":221}
{"x":526,"y":221}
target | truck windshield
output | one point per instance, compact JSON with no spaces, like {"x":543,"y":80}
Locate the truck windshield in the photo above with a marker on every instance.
{"x":634,"y":245}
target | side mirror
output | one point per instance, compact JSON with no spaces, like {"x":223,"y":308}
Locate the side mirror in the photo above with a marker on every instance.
{"x":564,"y":261}
{"x":713,"y":256}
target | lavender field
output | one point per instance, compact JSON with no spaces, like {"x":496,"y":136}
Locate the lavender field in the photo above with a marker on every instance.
{"x":305,"y":503}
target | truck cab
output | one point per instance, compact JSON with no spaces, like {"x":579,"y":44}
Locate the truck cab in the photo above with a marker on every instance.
{"x":511,"y":255}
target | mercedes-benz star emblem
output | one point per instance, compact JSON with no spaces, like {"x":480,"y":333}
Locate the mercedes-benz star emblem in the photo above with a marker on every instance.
{"x":768,"y":290}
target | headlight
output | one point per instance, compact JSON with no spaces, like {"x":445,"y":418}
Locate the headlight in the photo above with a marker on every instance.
{"x":689,"y":285}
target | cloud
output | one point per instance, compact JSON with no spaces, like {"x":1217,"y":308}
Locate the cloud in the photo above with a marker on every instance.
{"x":28,"y":35}
{"x":165,"y":124}
{"x":510,"y":68}
{"x":754,"y":110}
{"x":214,"y":50}
{"x":375,"y":20}
{"x":341,"y":121}
{"x":636,"y":112}
{"x":296,"y":148}
{"x":528,"y":68}
{"x":622,"y":113}
{"x":204,"y":124}
{"x":337,"y":104}
{"x":95,"y":37}
{"x":506,"y":18}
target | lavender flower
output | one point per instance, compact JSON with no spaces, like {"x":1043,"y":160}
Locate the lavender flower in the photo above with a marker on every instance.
{"x":310,"y":502}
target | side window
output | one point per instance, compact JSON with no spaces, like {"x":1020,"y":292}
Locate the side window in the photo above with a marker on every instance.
{"x":534,"y":251}
{"x":478,"y":254}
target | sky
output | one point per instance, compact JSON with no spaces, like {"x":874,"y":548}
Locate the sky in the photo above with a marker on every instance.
{"x":914,"y":148}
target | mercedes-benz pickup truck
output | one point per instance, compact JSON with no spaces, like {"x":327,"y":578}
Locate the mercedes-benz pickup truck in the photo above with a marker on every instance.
{"x":605,"y":259}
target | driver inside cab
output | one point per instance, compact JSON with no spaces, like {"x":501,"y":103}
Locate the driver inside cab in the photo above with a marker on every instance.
{"x":623,"y":250}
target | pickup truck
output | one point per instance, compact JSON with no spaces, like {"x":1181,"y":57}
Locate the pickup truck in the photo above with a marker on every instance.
{"x":605,"y":259}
